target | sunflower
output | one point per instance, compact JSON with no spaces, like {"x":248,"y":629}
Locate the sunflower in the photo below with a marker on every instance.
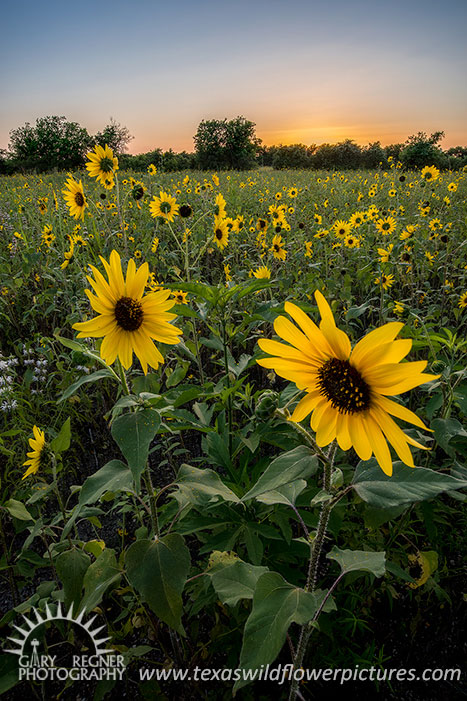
{"x":37,"y":444}
{"x":452,"y":187}
{"x":430,"y":173}
{"x":221,"y":232}
{"x":262,"y":273}
{"x":386,"y":226}
{"x":347,"y":389}
{"x":152,"y":170}
{"x":102,"y":165}
{"x":462,"y":304}
{"x":352,"y":241}
{"x":180,"y":297}
{"x":219,"y":209}
{"x":342,"y":228}
{"x":277,"y":248}
{"x":74,"y":197}
{"x":164,"y":206}
{"x":128,"y":321}
{"x":385,"y":280}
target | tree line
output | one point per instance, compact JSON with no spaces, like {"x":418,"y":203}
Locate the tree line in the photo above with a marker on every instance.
{"x":54,"y":143}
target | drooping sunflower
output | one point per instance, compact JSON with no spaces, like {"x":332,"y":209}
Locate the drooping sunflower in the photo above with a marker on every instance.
{"x":74,"y":197}
{"x":347,"y":390}
{"x":37,"y":444}
{"x":164,"y":206}
{"x":221,"y":232}
{"x":102,"y":165}
{"x":128,"y":321}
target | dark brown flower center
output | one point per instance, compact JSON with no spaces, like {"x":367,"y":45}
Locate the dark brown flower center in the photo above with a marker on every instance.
{"x":129,"y":313}
{"x":79,"y":199}
{"x":165,"y":207}
{"x":106,"y":165}
{"x":219,"y":234}
{"x":343,"y":386}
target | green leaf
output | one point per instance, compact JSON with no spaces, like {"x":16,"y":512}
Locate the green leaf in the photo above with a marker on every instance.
{"x":276,"y":604}
{"x":158,"y":570}
{"x":359,"y":561}
{"x":99,"y":577}
{"x":61,"y":443}
{"x":201,"y":487}
{"x":93,"y":377}
{"x":134,"y":433}
{"x":445,"y":431}
{"x":17,"y":510}
{"x":178,"y":374}
{"x":287,"y":494}
{"x":298,"y":463}
{"x":406,"y":485}
{"x":113,"y":477}
{"x":71,"y":567}
{"x":235,"y":581}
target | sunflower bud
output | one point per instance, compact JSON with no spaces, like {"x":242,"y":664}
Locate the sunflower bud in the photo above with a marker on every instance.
{"x":267,"y":404}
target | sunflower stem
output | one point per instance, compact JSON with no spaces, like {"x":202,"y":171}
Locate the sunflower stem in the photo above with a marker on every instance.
{"x":313,"y":564}
{"x":120,"y":218}
{"x":123,"y":380}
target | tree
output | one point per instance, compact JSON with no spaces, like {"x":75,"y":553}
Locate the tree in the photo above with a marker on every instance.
{"x":421,"y":150}
{"x":223,"y":144}
{"x":52,"y":143}
{"x":292,"y":156}
{"x":115,"y":136}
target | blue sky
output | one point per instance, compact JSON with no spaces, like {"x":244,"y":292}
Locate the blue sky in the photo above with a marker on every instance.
{"x":302,"y":71}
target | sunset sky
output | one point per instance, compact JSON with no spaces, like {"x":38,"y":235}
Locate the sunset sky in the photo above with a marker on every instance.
{"x":309,"y":71}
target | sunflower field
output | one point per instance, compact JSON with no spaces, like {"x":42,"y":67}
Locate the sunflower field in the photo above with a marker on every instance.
{"x":232,"y":427}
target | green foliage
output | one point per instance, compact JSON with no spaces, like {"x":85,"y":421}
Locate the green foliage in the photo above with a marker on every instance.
{"x":221,"y":144}
{"x":158,"y":570}
{"x":53,"y":143}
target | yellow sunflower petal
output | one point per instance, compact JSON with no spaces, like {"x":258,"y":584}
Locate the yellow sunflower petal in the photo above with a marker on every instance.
{"x":379,"y":445}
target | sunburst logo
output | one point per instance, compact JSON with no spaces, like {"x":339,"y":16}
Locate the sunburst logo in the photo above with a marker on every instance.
{"x":37,"y":665}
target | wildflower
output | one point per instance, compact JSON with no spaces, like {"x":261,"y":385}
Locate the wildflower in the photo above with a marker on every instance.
{"x":262,"y":273}
{"x":386,"y":226}
{"x":37,"y":444}
{"x":128,"y":321}
{"x":74,"y":197}
{"x":155,"y":244}
{"x":347,"y":390}
{"x":221,"y":233}
{"x":385,"y":280}
{"x":430,"y":173}
{"x":277,"y":248}
{"x":228,"y":276}
{"x":308,"y":249}
{"x":462,"y":304}
{"x":219,"y":208}
{"x":398,"y":308}
{"x":180,"y":297}
{"x":342,"y":228}
{"x":351,"y":241}
{"x":102,"y":165}
{"x":152,"y":170}
{"x":384,"y":254}
{"x":164,"y":206}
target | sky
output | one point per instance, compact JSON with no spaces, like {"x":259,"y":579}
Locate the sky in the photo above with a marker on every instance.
{"x":304,"y":71}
